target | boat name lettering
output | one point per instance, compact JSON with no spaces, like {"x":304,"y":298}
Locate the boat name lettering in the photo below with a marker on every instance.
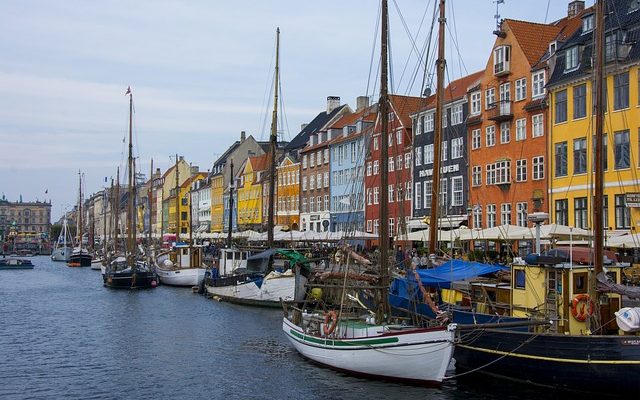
{"x":631,"y":342}
{"x":444,"y":170}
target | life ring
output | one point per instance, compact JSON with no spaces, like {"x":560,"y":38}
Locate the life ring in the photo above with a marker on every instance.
{"x":330,"y":322}
{"x":582,"y":314}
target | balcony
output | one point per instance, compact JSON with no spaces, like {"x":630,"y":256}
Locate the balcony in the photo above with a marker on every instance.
{"x":502,"y":68}
{"x":500,"y":111}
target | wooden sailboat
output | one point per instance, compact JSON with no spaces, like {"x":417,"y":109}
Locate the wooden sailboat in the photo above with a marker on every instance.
{"x":259,"y":283}
{"x":336,"y":335}
{"x":579,"y":347}
{"x":80,"y":256}
{"x":129,"y":271}
{"x":183,"y":264}
{"x":63,"y":248}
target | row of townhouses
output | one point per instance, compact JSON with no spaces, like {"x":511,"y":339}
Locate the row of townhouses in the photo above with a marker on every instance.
{"x":517,"y":138}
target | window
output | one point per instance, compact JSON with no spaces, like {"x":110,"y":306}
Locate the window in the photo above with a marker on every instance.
{"x":611,"y":43}
{"x":621,"y":150}
{"x":304,"y":183}
{"x":320,"y":203}
{"x":369,"y":168}
{"x":369,"y":196}
{"x":312,"y":160}
{"x":537,"y":84}
{"x":491,"y":135}
{"x":538,"y":168}
{"x":418,"y":123}
{"x":475,"y":139}
{"x":376,"y":167}
{"x":538,"y":125}
{"x":477,"y":217}
{"x":392,"y":164}
{"x":505,"y":91}
{"x":520,"y":279}
{"x":418,"y":193}
{"x":326,"y":156}
{"x":476,"y":175}
{"x":571,"y":59}
{"x":326,"y":202}
{"x":399,"y":192}
{"x":587,"y":24}
{"x":561,"y":106}
{"x":376,"y":195}
{"x":475,"y":103}
{"x":443,"y":151}
{"x":623,"y":214}
{"x":456,"y":114}
{"x":580,"y":212}
{"x":312,"y":204}
{"x":521,"y":89}
{"x":456,"y":148}
{"x":456,"y":191}
{"x":505,"y":214}
{"x":491,"y":174}
{"x":418,"y":156}
{"x":561,"y":159}
{"x":443,"y":191}
{"x":501,"y":58}
{"x":428,"y":191}
{"x":489,"y":98}
{"x":376,"y":225}
{"x":304,"y":161}
{"x":521,"y":214}
{"x":407,"y":160}
{"x":319,"y":181}
{"x":312,"y":182}
{"x":407,"y":191}
{"x":391,"y":226}
{"x":428,"y":122}
{"x":502,"y":172}
{"x":580,"y":101}
{"x":326,"y":179}
{"x":562,"y":212}
{"x":521,"y":129}
{"x":399,"y":162}
{"x":398,"y":141}
{"x":491,"y":215}
{"x":505,"y":132}
{"x":375,"y":143}
{"x":580,"y":156}
{"x":428,"y":154}
{"x":621,"y":91}
{"x":390,"y":189}
{"x":369,"y":225}
{"x":521,"y":170}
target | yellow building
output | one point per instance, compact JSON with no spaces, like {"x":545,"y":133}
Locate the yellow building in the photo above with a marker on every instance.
{"x":288,"y":193}
{"x":251,"y":177}
{"x":167,"y":190}
{"x":572,"y":130}
{"x":217,"y":206}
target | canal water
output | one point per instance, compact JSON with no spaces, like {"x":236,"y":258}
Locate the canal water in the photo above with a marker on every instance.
{"x":64,"y":335}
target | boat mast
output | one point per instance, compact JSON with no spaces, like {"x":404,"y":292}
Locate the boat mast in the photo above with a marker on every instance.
{"x":598,"y":220}
{"x":104,"y":221}
{"x":177,"y":202}
{"x":130,"y":219}
{"x":116,"y":219}
{"x":437,"y":134}
{"x":190,"y":212}
{"x":230,"y":207}
{"x":383,"y":301}
{"x":149,"y":200}
{"x":272,"y":145}
{"x":79,"y":230}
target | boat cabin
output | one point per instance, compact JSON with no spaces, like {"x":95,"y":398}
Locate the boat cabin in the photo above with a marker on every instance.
{"x":186,"y":256}
{"x":230,"y":260}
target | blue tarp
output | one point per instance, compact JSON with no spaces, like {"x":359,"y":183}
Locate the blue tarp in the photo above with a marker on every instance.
{"x":455,"y":270}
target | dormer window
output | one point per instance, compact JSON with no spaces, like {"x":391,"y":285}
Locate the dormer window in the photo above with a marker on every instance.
{"x":553,"y":46}
{"x":587,"y":24}
{"x":501,"y":60}
{"x":572,"y":58}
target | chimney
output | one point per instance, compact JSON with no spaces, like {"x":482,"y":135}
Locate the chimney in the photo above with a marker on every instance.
{"x":157,"y":174}
{"x":243,"y":136}
{"x":302,"y":126}
{"x":575,"y":8}
{"x":333,"y":102}
{"x":362,"y":102}
{"x":181,"y":158}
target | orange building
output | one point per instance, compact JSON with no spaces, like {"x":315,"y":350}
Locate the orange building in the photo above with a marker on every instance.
{"x":288,"y":193}
{"x":507,"y":124}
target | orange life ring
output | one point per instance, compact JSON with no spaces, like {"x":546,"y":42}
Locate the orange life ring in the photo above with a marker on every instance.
{"x":330,"y":322}
{"x":582,"y":314}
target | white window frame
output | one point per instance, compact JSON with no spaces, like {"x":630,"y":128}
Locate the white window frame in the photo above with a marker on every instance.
{"x":428,"y":154}
{"x":521,"y":129}
{"x":521,"y":89}
{"x":537,"y":167}
{"x":537,"y":84}
{"x":457,"y":193}
{"x":476,"y":176}
{"x":476,"y":103}
{"x":537,"y":124}
{"x":476,"y":140}
{"x":490,"y":135}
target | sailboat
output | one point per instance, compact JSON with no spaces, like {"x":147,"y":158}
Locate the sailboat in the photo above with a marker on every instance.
{"x":260,"y":283}
{"x":130,"y":270}
{"x":63,"y":248}
{"x":342,"y":333}
{"x":574,"y":335}
{"x":80,"y":256}
{"x":182,"y":265}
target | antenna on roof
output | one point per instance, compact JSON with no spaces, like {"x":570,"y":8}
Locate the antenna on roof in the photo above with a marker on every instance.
{"x":498,"y":32}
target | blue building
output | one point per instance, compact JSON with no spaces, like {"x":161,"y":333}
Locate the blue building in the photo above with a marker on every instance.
{"x":347,"y":149}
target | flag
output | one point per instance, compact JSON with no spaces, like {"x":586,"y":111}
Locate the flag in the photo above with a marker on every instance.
{"x":128,"y":90}
{"x":105,"y":179}
{"x":46,"y":191}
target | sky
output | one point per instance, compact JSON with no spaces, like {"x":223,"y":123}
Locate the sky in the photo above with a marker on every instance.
{"x":201,"y":71}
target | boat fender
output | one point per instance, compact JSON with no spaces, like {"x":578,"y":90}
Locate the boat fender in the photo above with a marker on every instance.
{"x":582,"y":314}
{"x":330,"y":322}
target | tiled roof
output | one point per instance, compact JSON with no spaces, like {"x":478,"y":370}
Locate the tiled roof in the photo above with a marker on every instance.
{"x":456,"y":89}
{"x":404,"y":106}
{"x":315,"y":125}
{"x":533,"y":38}
{"x":259,"y":163}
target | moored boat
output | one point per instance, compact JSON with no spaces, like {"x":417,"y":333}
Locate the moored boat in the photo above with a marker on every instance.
{"x":182,"y":266}
{"x":15,"y":263}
